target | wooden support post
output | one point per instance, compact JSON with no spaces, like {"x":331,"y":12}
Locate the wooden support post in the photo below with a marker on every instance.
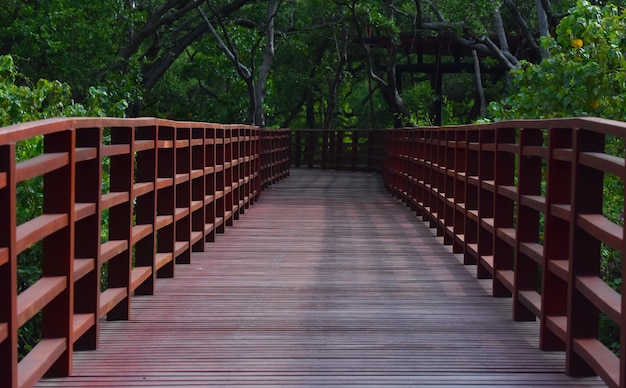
{"x":58,"y":249}
{"x":145,"y":210}
{"x":504,"y":209}
{"x":556,"y":242}
{"x":529,"y":212}
{"x":8,"y":268}
{"x":165,"y":201}
{"x":121,"y":218}
{"x":586,"y":198}
{"x":87,"y":239}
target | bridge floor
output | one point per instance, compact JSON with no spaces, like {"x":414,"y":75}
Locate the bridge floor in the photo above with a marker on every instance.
{"x":326,"y":280}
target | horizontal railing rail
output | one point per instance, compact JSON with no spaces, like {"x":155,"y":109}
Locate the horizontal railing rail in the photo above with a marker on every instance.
{"x":130,"y":197}
{"x":523,"y":201}
{"x":352,"y":150}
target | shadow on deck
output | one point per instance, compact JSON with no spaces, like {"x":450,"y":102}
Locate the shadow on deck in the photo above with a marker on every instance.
{"x":326,"y":280}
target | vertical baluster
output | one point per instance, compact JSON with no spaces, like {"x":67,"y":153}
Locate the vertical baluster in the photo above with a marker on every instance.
{"x":87,"y":237}
{"x":198,"y":186}
{"x":121,"y":220}
{"x":504,"y":232}
{"x":471,"y":198}
{"x":486,"y":171}
{"x":145,"y":209}
{"x":528,"y":220}
{"x":228,"y":176}
{"x":458,"y":245}
{"x":58,"y":248}
{"x":220,"y":182}
{"x":449,"y":183}
{"x":8,"y":268}
{"x":182,"y":214}
{"x":556,"y":241}
{"x":209,"y":181}
{"x":165,"y":201}
{"x":583,"y":318}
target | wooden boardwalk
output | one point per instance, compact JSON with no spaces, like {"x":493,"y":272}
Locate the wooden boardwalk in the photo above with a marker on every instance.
{"x":324,"y":281}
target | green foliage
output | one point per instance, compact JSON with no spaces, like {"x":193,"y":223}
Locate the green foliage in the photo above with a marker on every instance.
{"x":584,"y":74}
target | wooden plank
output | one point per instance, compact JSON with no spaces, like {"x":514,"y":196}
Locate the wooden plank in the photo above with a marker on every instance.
{"x":163,"y":221}
{"x":36,"y":229}
{"x":508,"y":235}
{"x":85,"y":153}
{"x":601,"y":295}
{"x":536,"y":202}
{"x":336,"y":284}
{"x":82,"y":267}
{"x":39,"y":360}
{"x":602,"y":229}
{"x":559,"y":268}
{"x":601,"y":359}
{"x":558,"y":325}
{"x":180,"y":213}
{"x":110,"y":249}
{"x":37,"y":296}
{"x":138,"y":276}
{"x":115,"y":149}
{"x":3,"y":180}
{"x":140,"y":231}
{"x":532,"y":250}
{"x":84,"y":210}
{"x":40,"y":165}
{"x":82,"y":323}
{"x":180,"y":247}
{"x":142,"y":188}
{"x":600,"y":161}
{"x":110,"y":298}
{"x":110,"y":200}
{"x":4,"y":256}
{"x":532,"y":300}
{"x":162,"y":259}
{"x":4,"y":331}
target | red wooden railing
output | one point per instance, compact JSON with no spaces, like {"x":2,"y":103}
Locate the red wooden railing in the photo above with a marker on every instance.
{"x":352,"y":150}
{"x":171,"y":187}
{"x":523,"y":201}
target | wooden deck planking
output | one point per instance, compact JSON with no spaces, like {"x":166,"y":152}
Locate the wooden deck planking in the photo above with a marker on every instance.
{"x":325,"y":281}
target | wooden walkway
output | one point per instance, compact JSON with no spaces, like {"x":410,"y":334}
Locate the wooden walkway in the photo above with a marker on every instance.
{"x":324,"y":281}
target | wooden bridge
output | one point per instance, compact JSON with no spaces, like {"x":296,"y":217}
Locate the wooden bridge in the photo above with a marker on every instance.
{"x":325,"y":279}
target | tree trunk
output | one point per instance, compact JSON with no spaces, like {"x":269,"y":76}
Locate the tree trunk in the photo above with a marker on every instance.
{"x":264,"y":70}
{"x":479,"y":85}
{"x":333,"y":89}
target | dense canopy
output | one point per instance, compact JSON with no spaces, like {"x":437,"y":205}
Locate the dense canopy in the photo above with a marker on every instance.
{"x":314,"y":63}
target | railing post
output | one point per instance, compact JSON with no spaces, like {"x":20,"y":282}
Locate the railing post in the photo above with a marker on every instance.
{"x":87,"y":239}
{"x":586,"y":198}
{"x":198,"y":186}
{"x":471,"y":197}
{"x":528,"y":218}
{"x":165,"y":201}
{"x":58,"y":249}
{"x":458,"y":245}
{"x":504,"y":209}
{"x":8,"y":268}
{"x":486,"y":175}
{"x":145,"y":207}
{"x":209,"y":182}
{"x":556,"y":240}
{"x":121,"y":219}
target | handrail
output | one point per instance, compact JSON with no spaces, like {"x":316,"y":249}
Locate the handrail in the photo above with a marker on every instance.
{"x":171,"y":187}
{"x":489,"y":189}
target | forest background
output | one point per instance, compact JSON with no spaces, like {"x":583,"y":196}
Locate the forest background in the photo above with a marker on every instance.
{"x":311,"y":64}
